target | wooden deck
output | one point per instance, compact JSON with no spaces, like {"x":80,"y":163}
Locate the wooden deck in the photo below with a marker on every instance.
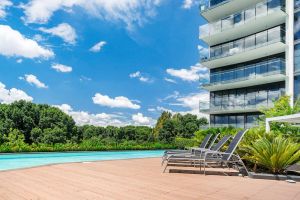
{"x":134,"y":179}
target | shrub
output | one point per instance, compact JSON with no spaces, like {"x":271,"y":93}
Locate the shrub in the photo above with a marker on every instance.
{"x":185,"y":142}
{"x":274,"y":153}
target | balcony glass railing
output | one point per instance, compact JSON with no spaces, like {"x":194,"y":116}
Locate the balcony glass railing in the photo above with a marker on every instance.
{"x":251,"y":42}
{"x":254,"y":71}
{"x":242,"y":102}
{"x":240,"y":18}
{"x":207,"y":4}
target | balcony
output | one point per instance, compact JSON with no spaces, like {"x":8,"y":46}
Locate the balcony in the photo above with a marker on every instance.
{"x":259,"y":45}
{"x":257,"y":18}
{"x":213,"y":10}
{"x":207,"y":108}
{"x":257,"y":74}
{"x":242,"y":100}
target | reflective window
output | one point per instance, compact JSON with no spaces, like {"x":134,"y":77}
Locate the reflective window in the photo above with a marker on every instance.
{"x":240,"y":121}
{"x":274,"y":34}
{"x":297,"y":87}
{"x":249,"y":42}
{"x":297,"y":58}
{"x":227,"y":23}
{"x":216,"y":2}
{"x":296,"y":26}
{"x":252,"y":120}
{"x":245,"y":72}
{"x":235,"y":120}
{"x":250,"y":14}
{"x":232,"y":121}
{"x":261,"y":9}
{"x":297,"y":4}
{"x":238,"y":18}
{"x":261,"y":38}
{"x":242,"y":17}
{"x":262,"y":98}
{"x":257,"y":40}
{"x":246,"y":98}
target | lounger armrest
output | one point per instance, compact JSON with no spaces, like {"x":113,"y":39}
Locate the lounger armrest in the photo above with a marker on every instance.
{"x":212,"y":154}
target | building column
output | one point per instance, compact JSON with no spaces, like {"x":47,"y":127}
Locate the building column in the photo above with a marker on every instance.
{"x":290,"y":50}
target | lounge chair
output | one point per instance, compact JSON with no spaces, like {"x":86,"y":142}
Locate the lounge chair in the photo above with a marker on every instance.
{"x":209,"y":158}
{"x":227,"y":158}
{"x":201,"y":146}
{"x":196,"y":151}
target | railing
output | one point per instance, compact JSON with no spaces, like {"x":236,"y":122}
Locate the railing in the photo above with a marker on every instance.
{"x":240,"y":125}
{"x":255,"y":41}
{"x":208,"y":4}
{"x":259,"y":10}
{"x":242,"y":102}
{"x":254,"y":71}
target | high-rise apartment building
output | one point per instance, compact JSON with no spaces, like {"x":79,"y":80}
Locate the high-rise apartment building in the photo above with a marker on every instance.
{"x":254,"y":57}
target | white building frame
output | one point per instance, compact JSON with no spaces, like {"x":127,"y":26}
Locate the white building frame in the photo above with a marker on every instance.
{"x":293,"y":119}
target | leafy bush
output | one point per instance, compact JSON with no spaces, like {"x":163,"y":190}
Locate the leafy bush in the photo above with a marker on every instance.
{"x":182,"y":143}
{"x":272,"y":152}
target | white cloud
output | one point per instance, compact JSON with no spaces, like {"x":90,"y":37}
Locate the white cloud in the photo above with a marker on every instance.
{"x":64,"y":31}
{"x":135,"y":74}
{"x":129,"y":12}
{"x":140,"y":77}
{"x":13,"y":43}
{"x":61,"y":68}
{"x":98,"y":47}
{"x":140,"y":119}
{"x":117,"y":102}
{"x":19,"y":60}
{"x":195,"y":73}
{"x":185,"y":103}
{"x":174,"y":95}
{"x":38,"y":38}
{"x":4,"y":4}
{"x":188,"y":4}
{"x":33,"y":80}
{"x":151,"y":109}
{"x":99,"y":119}
{"x":13,"y":94}
{"x":170,"y":80}
{"x":84,"y":78}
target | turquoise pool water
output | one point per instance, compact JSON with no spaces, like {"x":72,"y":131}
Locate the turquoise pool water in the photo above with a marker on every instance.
{"x":25,"y":160}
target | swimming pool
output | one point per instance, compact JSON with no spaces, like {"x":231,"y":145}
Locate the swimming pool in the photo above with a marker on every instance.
{"x":25,"y":160}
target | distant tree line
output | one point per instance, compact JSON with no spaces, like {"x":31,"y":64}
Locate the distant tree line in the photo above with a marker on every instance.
{"x":25,"y":126}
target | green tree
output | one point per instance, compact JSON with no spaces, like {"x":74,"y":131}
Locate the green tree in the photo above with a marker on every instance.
{"x":54,"y":135}
{"x":282,"y":107}
{"x":160,"y":122}
{"x":36,"y":135}
{"x":167,"y":133}
{"x":15,"y":139}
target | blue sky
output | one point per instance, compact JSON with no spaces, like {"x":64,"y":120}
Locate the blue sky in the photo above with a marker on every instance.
{"x":105,"y":62}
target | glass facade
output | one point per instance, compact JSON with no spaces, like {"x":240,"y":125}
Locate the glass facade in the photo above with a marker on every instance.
{"x":297,"y":4}
{"x":258,"y":10}
{"x":296,"y":26}
{"x":235,"y":120}
{"x":252,"y":71}
{"x":297,"y":87}
{"x":206,"y":4}
{"x":251,"y":42}
{"x":297,"y":58}
{"x":246,"y":98}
